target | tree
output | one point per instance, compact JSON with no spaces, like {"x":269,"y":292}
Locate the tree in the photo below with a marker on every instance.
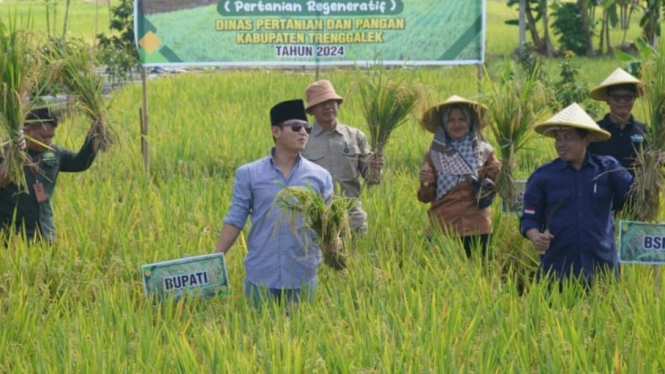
{"x":586,"y":24}
{"x":610,"y":20}
{"x":650,"y":21}
{"x":569,"y":30}
{"x":118,"y":51}
{"x":547,"y":44}
{"x":534,"y":13}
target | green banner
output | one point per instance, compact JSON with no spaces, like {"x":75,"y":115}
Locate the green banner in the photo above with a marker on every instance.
{"x":309,"y":32}
{"x":200,"y":276}
{"x":641,"y":242}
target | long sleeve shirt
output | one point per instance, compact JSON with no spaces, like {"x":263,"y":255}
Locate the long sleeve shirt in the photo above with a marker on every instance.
{"x":31,"y":215}
{"x":277,"y":255}
{"x":458,"y":209}
{"x":576,"y":207}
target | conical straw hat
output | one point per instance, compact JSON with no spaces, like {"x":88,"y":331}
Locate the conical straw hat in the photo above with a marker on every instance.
{"x":573,"y":116}
{"x":618,"y":76}
{"x":433,"y":117}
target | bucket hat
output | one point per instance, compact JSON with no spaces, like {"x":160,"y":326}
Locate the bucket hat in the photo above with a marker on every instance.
{"x":319,"y":92}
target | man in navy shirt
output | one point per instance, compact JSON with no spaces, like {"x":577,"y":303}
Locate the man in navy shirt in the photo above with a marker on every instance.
{"x":568,"y":202}
{"x":619,"y":91}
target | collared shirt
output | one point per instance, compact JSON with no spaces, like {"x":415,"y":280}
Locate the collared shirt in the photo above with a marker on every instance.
{"x":343,"y":152}
{"x":582,"y":224}
{"x":31,"y":214}
{"x":624,"y":144}
{"x":276,"y":256}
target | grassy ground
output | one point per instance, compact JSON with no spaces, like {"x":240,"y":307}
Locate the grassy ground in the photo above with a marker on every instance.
{"x":404,"y":304}
{"x":86,"y":21}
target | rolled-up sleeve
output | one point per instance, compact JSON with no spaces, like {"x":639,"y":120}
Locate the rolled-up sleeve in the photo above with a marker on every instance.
{"x":241,"y":202}
{"x":533,"y":212}
{"x":328,"y":188}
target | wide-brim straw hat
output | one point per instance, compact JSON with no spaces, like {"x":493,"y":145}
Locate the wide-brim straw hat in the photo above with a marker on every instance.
{"x":618,"y":77}
{"x":573,"y":116}
{"x":319,"y":92}
{"x":433,"y":117}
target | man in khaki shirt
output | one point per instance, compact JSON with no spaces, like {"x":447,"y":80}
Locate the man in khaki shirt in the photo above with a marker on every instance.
{"x":340,"y":149}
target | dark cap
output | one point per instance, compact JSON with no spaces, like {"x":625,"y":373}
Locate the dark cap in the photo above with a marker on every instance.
{"x":286,"y":110}
{"x":42,"y":116}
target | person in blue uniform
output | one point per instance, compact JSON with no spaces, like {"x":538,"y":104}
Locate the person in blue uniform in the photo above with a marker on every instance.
{"x":568,"y":202}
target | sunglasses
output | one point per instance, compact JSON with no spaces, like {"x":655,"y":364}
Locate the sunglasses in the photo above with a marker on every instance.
{"x":619,"y":97}
{"x":297,"y":126}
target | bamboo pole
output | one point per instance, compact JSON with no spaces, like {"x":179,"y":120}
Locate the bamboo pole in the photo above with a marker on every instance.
{"x":522,"y":25}
{"x":143,"y":113}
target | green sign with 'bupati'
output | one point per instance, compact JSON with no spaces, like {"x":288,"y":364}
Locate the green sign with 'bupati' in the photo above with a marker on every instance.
{"x":641,"y":242}
{"x":201,"y":276}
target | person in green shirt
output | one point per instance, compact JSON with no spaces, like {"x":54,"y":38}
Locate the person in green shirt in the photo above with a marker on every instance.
{"x":340,"y":149}
{"x":31,"y":213}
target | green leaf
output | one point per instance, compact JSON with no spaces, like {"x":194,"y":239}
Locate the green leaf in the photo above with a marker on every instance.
{"x":623,"y":57}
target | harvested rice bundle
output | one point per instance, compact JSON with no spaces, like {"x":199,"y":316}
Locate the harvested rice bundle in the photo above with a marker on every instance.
{"x":19,"y":67}
{"x":513,"y":107}
{"x":386,"y":104}
{"x":329,"y":221}
{"x":650,"y":174}
{"x":75,"y":68}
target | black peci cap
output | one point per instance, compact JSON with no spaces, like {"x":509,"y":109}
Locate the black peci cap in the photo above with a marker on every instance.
{"x":286,"y":110}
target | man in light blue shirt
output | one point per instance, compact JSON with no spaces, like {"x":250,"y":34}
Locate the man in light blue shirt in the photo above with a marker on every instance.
{"x":280,"y":264}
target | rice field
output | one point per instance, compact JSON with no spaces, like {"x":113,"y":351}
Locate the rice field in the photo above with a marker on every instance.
{"x":404,"y":304}
{"x":87,"y":19}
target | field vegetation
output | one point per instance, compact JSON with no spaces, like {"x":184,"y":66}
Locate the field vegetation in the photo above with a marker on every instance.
{"x":404,"y":304}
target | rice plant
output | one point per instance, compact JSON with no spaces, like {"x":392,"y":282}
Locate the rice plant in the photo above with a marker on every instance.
{"x":75,"y":67}
{"x":513,"y":107}
{"x":404,"y":304}
{"x":386,"y":103}
{"x":19,"y":71}
{"x":329,"y":221}
{"x":650,"y":175}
